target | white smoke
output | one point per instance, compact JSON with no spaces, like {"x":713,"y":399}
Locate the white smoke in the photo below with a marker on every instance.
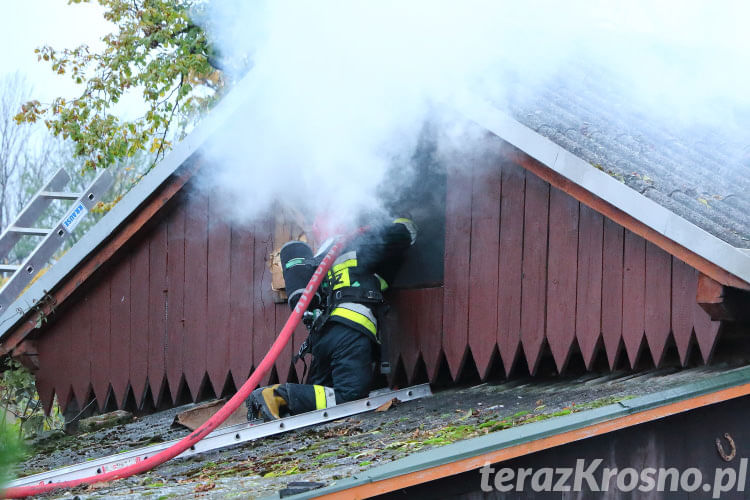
{"x":342,"y":89}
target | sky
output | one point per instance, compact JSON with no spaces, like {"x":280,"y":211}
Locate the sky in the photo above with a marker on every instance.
{"x":28,"y":24}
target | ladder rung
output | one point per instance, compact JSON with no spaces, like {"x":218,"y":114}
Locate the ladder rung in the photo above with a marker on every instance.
{"x":8,"y":268}
{"x":33,"y":210}
{"x":60,"y":195}
{"x":46,"y":248}
{"x":35,"y":231}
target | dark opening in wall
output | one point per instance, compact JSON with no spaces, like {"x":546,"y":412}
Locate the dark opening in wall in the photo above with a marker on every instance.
{"x":417,"y":190}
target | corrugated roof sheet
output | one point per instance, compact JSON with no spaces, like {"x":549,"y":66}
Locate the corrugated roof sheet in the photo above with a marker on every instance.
{"x":699,"y":171}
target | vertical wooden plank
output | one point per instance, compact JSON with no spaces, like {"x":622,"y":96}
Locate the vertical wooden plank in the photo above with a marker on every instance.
{"x":430,"y":328}
{"x":63,"y":360}
{"x":533,"y":285}
{"x":139,"y":308}
{"x":175,"y":295}
{"x":457,"y":260}
{"x":264,"y":318}
{"x":219,"y":293}
{"x":684,"y":284}
{"x":80,"y":342}
{"x":426,"y":313}
{"x":88,"y":325}
{"x":48,"y":348}
{"x":392,"y":330}
{"x":612,"y":280}
{"x":483,"y":266}
{"x":408,"y":329}
{"x":658,"y":300}
{"x":101,"y":334}
{"x":706,"y":331}
{"x":241,"y":298}
{"x":284,"y":361}
{"x":562,"y":264}
{"x":633,"y":290}
{"x":46,"y":393}
{"x":414,"y":315}
{"x":196,"y":280}
{"x":157,"y":309}
{"x":119,"y":348}
{"x":589,"y":288}
{"x":510,"y":264}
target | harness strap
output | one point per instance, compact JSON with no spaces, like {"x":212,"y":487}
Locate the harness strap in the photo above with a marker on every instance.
{"x":357,"y":294}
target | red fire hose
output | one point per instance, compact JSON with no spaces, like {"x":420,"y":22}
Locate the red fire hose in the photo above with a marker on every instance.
{"x":221,"y":415}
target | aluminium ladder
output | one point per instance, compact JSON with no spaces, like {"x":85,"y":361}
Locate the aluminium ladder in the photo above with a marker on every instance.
{"x":52,"y":238}
{"x":225,"y":436}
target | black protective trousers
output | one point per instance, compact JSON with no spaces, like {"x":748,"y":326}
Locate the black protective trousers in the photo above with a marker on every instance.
{"x":342,"y":359}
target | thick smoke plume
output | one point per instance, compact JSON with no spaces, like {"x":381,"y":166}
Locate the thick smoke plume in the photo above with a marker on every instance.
{"x":342,"y":90}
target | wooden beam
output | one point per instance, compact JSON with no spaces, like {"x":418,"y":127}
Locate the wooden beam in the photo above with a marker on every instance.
{"x":100,"y":256}
{"x":624,"y":219}
{"x":27,"y":354}
{"x":721,"y":302}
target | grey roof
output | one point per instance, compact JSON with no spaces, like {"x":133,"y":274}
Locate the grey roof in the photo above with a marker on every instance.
{"x":700,"y":171}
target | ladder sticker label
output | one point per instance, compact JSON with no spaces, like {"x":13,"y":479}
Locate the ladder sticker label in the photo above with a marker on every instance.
{"x":74,"y":217}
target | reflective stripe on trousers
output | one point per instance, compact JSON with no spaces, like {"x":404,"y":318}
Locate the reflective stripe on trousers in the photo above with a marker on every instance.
{"x":324,"y":397}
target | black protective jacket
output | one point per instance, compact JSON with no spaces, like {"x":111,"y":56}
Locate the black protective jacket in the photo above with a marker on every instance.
{"x":354,"y":286}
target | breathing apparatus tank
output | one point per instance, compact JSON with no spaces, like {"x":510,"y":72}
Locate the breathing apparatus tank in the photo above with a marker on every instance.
{"x":298,"y":266}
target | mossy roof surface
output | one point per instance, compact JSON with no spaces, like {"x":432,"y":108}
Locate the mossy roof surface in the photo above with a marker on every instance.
{"x":698,"y":169}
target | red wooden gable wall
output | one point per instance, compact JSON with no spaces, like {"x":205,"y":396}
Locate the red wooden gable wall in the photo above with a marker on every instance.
{"x":186,"y":311}
{"x":530,"y":268}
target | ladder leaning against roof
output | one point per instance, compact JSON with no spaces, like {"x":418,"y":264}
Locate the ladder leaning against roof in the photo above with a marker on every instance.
{"x":52,"y":237}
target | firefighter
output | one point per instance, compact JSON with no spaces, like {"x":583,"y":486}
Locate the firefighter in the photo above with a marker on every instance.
{"x":342,"y":319}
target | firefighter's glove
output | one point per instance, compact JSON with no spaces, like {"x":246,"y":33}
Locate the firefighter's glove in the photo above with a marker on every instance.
{"x":266,"y":403}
